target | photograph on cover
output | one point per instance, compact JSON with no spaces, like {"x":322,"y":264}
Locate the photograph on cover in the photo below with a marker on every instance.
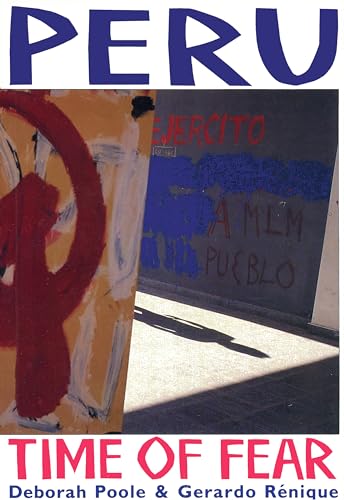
{"x":221,"y":209}
{"x":236,"y":318}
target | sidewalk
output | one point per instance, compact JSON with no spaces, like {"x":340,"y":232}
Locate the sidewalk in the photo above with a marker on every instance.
{"x":193,"y":370}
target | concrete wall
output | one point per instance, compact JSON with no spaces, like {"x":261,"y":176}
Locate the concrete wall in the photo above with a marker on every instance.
{"x":238,"y":194}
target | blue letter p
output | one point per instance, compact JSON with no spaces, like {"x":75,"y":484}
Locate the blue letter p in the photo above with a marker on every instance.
{"x":21,"y":50}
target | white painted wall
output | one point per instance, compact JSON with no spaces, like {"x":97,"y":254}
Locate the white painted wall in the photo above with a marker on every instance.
{"x":326,"y":304}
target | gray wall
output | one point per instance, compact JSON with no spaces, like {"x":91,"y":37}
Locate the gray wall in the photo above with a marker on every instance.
{"x":238,"y":194}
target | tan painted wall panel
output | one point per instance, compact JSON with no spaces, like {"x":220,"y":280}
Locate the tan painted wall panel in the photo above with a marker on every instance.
{"x":70,"y":240}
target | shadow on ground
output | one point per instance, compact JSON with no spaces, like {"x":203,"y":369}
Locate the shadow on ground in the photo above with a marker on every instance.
{"x":303,"y":400}
{"x":267,"y":318}
{"x":193,"y":331}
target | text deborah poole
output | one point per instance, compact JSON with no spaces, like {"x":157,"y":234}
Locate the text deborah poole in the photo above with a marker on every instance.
{"x":184,"y":491}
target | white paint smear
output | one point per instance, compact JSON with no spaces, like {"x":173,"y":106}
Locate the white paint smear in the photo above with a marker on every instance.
{"x":9,"y":155}
{"x":127,"y":215}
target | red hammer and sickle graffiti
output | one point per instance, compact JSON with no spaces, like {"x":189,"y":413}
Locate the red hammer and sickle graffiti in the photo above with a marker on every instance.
{"x":33,"y":308}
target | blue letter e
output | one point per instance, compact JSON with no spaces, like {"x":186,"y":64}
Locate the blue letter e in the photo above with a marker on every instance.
{"x":21,"y":50}
{"x":100,"y":41}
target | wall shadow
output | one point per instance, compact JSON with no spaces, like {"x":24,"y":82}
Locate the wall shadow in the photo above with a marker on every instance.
{"x":302,"y":400}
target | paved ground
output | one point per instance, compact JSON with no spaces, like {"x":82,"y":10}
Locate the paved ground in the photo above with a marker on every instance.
{"x":194,"y":370}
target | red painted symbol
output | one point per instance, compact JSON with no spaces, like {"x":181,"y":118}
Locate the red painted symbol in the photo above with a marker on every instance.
{"x":33,"y":308}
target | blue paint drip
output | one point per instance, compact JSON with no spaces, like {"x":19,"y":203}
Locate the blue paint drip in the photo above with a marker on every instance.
{"x":192,"y":266}
{"x":149,"y":253}
{"x":178,"y":208}
{"x":170,"y":255}
{"x":186,"y":259}
{"x":181,"y":258}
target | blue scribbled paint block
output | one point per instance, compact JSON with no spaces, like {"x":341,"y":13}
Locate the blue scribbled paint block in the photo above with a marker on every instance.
{"x":178,"y":207}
